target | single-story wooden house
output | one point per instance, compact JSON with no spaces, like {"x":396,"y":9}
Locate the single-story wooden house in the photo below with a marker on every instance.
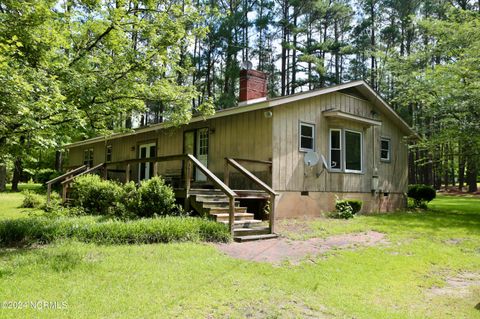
{"x":360,"y":143}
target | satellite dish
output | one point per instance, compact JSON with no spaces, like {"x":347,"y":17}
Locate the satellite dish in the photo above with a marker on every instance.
{"x":324,"y":161}
{"x":247,"y":65}
{"x":311,"y":158}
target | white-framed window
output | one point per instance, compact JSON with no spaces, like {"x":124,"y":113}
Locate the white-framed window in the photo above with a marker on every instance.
{"x":306,"y":137}
{"x":108,"y":153}
{"x":346,"y":151}
{"x":353,"y":151}
{"x":385,"y":149}
{"x":88,"y":157}
{"x":335,"y":149}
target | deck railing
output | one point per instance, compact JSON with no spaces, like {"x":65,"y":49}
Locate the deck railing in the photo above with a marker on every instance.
{"x":190,"y":161}
{"x":68,"y":174}
{"x":272,"y":194}
{"x":67,"y":182}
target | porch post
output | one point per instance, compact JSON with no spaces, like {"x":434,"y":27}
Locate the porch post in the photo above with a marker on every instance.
{"x":188,"y":177}
{"x":49,"y":191}
{"x":64,"y":192}
{"x":155,"y":169}
{"x":226,"y":173}
{"x":127,"y":173}
{"x":272,"y":214}
{"x":231,"y":214}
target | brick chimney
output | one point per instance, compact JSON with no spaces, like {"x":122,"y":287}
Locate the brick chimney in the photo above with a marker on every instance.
{"x":253,"y":85}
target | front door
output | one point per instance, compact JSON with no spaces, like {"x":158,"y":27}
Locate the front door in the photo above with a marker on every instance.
{"x":202,"y":152}
{"x":145,"y":170}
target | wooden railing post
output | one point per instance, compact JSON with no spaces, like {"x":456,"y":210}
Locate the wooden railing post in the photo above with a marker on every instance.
{"x":64,"y":192}
{"x":261,"y":184}
{"x":188,"y":178}
{"x":272,"y":214}
{"x":127,"y":173}
{"x":226,"y":174}
{"x":49,"y":191}
{"x":155,"y":169}
{"x":105,"y":172}
{"x":231,"y":214}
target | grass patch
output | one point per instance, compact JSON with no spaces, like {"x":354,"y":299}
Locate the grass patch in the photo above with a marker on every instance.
{"x":42,"y":230}
{"x":194,"y":280}
{"x":10,"y":203}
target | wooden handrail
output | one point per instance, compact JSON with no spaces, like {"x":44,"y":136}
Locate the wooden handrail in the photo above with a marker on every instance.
{"x":227,"y":190}
{"x":256,"y":180}
{"x":63,"y":176}
{"x":92,"y":169}
{"x":150,"y":159}
{"x":250,"y":176}
{"x":59,"y":178}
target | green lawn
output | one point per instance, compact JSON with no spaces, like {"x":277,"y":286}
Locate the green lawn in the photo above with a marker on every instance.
{"x":10,"y":203}
{"x":196,"y":281}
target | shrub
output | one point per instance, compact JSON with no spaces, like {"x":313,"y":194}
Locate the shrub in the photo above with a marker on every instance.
{"x":44,"y":175}
{"x":343,"y":209}
{"x":27,"y":231}
{"x":97,"y":196}
{"x":154,"y":198}
{"x":356,"y":205}
{"x":32,"y":200}
{"x":421,"y":194}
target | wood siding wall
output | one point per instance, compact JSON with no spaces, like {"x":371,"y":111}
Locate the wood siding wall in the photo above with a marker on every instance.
{"x":291,"y":174}
{"x":247,"y":135}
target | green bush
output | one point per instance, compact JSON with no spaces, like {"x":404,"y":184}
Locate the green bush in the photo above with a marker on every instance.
{"x":347,"y":208}
{"x":27,"y":231}
{"x":97,"y":196}
{"x":343,"y":210}
{"x":32,"y":200}
{"x":421,"y":194}
{"x":100,"y":197}
{"x":155,"y":198}
{"x":44,"y":175}
{"x":356,"y":205}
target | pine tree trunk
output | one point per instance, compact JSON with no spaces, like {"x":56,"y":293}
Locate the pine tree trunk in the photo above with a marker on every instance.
{"x":461,"y":168}
{"x":294,"y":58}
{"x":373,"y":44}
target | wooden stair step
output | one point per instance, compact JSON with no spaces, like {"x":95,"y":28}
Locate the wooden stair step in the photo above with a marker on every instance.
{"x":237,"y":216}
{"x":242,"y":239}
{"x":252,"y":194}
{"x":220,"y":210}
{"x":204,"y":191}
{"x":243,"y":223}
{"x":218,"y":204}
{"x":203,"y":198}
{"x":259,"y":230}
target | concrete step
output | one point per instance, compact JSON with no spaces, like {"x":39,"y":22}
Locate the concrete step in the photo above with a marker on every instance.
{"x":243,"y":223}
{"x":238,"y":216}
{"x":259,"y":230}
{"x":242,"y":239}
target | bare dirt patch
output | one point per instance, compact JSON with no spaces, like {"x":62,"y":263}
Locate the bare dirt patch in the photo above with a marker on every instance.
{"x":282,"y":249}
{"x":458,"y":286}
